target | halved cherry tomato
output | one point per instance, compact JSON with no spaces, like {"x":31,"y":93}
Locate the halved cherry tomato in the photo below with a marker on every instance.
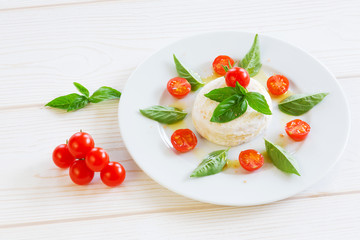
{"x":237,"y":74}
{"x":221,"y":61}
{"x":178,"y":87}
{"x":183,"y":140}
{"x":297,"y":129}
{"x":251,"y":159}
{"x":278,"y":84}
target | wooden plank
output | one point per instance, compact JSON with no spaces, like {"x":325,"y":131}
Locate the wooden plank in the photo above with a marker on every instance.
{"x":330,"y":218}
{"x":23,"y":4}
{"x":40,"y":56}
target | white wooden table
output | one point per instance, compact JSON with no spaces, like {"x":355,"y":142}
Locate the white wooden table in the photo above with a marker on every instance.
{"x":45,"y":45}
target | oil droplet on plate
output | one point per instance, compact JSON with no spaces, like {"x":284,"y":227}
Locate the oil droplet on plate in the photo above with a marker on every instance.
{"x":178,"y":104}
{"x":262,"y":77}
{"x":178,"y":125}
{"x":211,"y":77}
{"x":281,"y":97}
{"x":232,"y":164}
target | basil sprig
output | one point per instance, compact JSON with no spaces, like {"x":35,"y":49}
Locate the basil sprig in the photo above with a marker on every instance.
{"x":251,"y":61}
{"x":163,"y":114}
{"x":212,"y":164}
{"x":299,"y":104}
{"x":74,"y":101}
{"x":234,"y":102}
{"x":280,"y":158}
{"x":192,"y":77}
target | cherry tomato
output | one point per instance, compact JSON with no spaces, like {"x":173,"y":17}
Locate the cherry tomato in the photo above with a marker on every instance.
{"x":80,"y":173}
{"x":96,"y":159}
{"x":251,"y":159}
{"x":278,"y":84}
{"x":113,"y":174}
{"x":221,"y":61}
{"x":183,"y":140}
{"x":178,"y":87}
{"x":237,"y":74}
{"x":80,"y":144}
{"x":62,"y":157}
{"x":297,"y":129}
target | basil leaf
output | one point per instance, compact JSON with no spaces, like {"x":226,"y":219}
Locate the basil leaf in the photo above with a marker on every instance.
{"x":281,"y":159}
{"x":193,"y":78}
{"x":63,"y":102}
{"x":299,"y":104}
{"x":258,"y":102}
{"x":78,"y":103}
{"x":229,"y":109}
{"x":212,"y":164}
{"x":163,"y":114}
{"x":251,"y":61}
{"x":220,"y":94}
{"x":240,"y":89}
{"x":81,"y":89}
{"x":104,"y":93}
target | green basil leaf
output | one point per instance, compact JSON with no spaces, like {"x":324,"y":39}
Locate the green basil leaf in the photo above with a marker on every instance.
{"x":81,"y":89}
{"x":299,"y":104}
{"x":229,"y":109}
{"x":193,"y":78}
{"x":163,"y":114}
{"x":258,"y":102}
{"x":220,"y":94}
{"x":63,"y":102}
{"x":212,"y":164}
{"x":251,"y":61}
{"x":104,"y":93}
{"x":240,"y":89}
{"x":78,"y":103}
{"x":281,"y":159}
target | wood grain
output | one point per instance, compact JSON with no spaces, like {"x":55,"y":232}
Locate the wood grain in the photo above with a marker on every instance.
{"x":47,"y":45}
{"x":294,"y":219}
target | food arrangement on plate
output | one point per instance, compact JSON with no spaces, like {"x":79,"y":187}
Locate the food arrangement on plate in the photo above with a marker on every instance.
{"x":233,"y":109}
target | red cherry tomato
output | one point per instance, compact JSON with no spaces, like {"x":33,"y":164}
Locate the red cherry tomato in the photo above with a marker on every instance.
{"x":62,"y":157}
{"x":278,"y":84}
{"x":96,"y":159}
{"x":80,"y":173}
{"x":178,"y":87}
{"x":237,"y":74}
{"x":113,"y":174}
{"x":221,"y":61}
{"x":251,"y":159}
{"x":80,"y":144}
{"x":183,"y":140}
{"x":297,"y":129}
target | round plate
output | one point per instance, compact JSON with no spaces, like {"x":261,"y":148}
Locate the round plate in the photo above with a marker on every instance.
{"x":148,"y":141}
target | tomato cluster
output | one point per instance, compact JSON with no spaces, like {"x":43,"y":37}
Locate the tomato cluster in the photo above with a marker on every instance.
{"x":84,"y":159}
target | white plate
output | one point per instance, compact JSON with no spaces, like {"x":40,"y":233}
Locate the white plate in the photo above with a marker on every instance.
{"x":148,"y":141}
